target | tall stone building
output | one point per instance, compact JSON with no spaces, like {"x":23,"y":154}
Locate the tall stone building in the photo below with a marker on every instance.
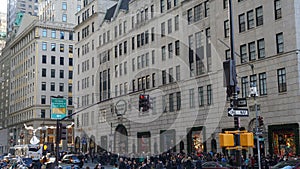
{"x":174,"y":51}
{"x":40,"y":66}
{"x":15,"y":8}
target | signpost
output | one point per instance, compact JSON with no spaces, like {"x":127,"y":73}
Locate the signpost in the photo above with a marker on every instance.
{"x":238,"y":112}
{"x":58,"y":108}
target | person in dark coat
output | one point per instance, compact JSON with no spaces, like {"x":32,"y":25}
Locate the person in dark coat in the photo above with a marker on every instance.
{"x":122,"y":164}
{"x":199,"y":163}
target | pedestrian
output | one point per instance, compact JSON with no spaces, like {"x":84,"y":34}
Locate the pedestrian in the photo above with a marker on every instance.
{"x":122,"y":164}
{"x":87,"y":167}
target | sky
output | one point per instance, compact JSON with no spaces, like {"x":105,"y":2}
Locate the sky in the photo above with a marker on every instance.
{"x":3,"y":5}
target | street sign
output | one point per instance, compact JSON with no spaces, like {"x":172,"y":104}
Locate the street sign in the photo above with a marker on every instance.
{"x":241,"y":102}
{"x":58,"y":108}
{"x":238,"y":112}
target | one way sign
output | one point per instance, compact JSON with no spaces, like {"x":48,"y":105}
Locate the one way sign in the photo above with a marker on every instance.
{"x":238,"y":112}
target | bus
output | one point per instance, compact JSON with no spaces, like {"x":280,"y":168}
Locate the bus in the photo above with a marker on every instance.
{"x":27,"y":150}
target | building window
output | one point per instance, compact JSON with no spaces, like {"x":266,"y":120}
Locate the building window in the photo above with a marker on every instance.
{"x":226,"y":28}
{"x":43,"y":113}
{"x":164,"y":77}
{"x":53,"y":34}
{"x":70,"y":74}
{"x":209,"y":95}
{"x":177,"y":48}
{"x":178,"y":73}
{"x":153,"y":79}
{"x":253,"y":81}
{"x":52,"y":73}
{"x":43,"y":86}
{"x":169,"y":26}
{"x":263,"y":84}
{"x":70,"y":61}
{"x":261,"y":48}
{"x":64,"y":5}
{"x":43,"y":99}
{"x":252,"y":51}
{"x":259,"y":16}
{"x":206,"y":8}
{"x":61,"y":60}
{"x":44,"y":72}
{"x":245,"y":87}
{"x":200,"y":96}
{"x":198,"y":12}
{"x":162,"y":6}
{"x":281,"y":76}
{"x":70,"y":35}
{"x":190,"y":16}
{"x":53,"y":60}
{"x":62,"y":35}
{"x":191,"y":98}
{"x":152,"y":34}
{"x":44,"y":34}
{"x":61,"y":74}
{"x":52,"y":86}
{"x":279,"y":42}
{"x":277,"y":8}
{"x":44,"y":59}
{"x":64,"y":17}
{"x":170,"y":50}
{"x":44,"y":46}
{"x":61,"y":47}
{"x":243,"y":53}
{"x":70,"y":48}
{"x":176,"y":22}
{"x":53,"y":47}
{"x":242,"y":23}
{"x":178,"y":100}
{"x":169,"y":4}
{"x":171,"y":102}
{"x":163,"y":29}
{"x":250,"y":19}
{"x":164,"y":103}
{"x":171,"y":78}
{"x":163,"y":53}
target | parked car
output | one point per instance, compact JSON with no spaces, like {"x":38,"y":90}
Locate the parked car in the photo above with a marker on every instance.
{"x":215,"y":165}
{"x":295,"y":164}
{"x":71,"y":159}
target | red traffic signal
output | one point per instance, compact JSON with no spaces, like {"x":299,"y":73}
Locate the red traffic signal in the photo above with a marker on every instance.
{"x":144,"y":102}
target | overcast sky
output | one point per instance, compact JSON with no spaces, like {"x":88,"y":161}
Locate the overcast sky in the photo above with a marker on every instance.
{"x":3,"y":5}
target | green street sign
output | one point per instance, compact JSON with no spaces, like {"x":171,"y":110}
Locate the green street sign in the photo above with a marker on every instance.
{"x":58,"y":108}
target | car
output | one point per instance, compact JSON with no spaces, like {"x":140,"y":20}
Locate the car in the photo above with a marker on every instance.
{"x":215,"y":165}
{"x":68,"y":166}
{"x":287,"y":164}
{"x":71,"y":159}
{"x":27,"y":162}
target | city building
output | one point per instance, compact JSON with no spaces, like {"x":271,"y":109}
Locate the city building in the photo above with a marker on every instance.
{"x":16,"y":8}
{"x":174,"y":51}
{"x":38,"y":66}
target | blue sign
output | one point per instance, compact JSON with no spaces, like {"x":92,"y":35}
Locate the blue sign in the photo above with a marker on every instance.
{"x":58,"y":108}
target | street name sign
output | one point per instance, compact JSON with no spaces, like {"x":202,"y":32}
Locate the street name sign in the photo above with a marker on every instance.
{"x":238,"y":112}
{"x":240,"y":102}
{"x":58,"y":108}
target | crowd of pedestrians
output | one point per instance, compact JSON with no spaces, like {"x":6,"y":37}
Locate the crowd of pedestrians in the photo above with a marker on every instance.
{"x":183,"y":160}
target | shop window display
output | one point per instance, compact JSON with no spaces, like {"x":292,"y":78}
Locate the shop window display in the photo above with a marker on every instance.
{"x":197,"y":142}
{"x":284,"y":143}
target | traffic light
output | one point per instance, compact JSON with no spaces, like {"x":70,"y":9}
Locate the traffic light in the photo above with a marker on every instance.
{"x":62,"y":135}
{"x":260,"y":121}
{"x":226,"y":140}
{"x":246,"y":139}
{"x":144,"y":102}
{"x":45,"y":149}
{"x":229,"y":73}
